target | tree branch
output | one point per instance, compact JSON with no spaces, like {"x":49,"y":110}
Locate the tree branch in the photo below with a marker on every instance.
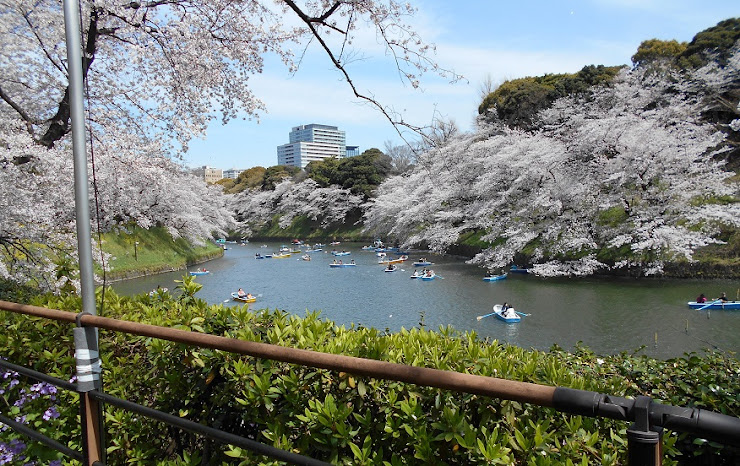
{"x":59,"y":124}
{"x":26,"y":118}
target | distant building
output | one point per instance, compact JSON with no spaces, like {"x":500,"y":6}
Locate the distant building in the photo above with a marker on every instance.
{"x":314,"y":142}
{"x":352,"y":151}
{"x":232,"y":173}
{"x":209,"y":174}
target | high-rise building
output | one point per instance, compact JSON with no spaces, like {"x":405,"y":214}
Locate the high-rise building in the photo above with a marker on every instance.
{"x":313,"y":142}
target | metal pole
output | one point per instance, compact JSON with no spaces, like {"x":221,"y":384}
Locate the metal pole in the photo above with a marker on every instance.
{"x":82,"y":199}
{"x":91,"y":412}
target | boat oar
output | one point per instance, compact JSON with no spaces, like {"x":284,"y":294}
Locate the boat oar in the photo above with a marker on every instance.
{"x":713,"y":302}
{"x":523,"y":314}
{"x":487,"y":315}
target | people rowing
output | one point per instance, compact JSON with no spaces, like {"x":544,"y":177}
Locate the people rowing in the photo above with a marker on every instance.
{"x":507,"y":312}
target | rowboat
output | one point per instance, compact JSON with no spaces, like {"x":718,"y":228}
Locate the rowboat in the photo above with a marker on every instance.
{"x":727,"y":305}
{"x":343,"y":253}
{"x":515,"y":269}
{"x":342,"y":265}
{"x":243,"y":299}
{"x":422,"y":263}
{"x":428,"y":276}
{"x":395,"y":261}
{"x":391,"y":268}
{"x":509,"y":315}
{"x":493,"y":278}
{"x":200,"y":272}
{"x":280,"y":256}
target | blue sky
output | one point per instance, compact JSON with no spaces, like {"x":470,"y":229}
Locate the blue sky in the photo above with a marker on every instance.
{"x":500,"y":39}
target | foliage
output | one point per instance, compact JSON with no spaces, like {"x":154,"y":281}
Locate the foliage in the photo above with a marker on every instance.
{"x":360,"y":174}
{"x":587,"y":192}
{"x":16,"y":292}
{"x":277,"y":174}
{"x":714,"y":43}
{"x":655,"y":50}
{"x":516,"y":102}
{"x":348,"y":419}
{"x":33,"y":404}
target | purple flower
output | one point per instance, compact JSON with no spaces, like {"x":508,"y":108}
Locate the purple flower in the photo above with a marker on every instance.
{"x":51,"y":413}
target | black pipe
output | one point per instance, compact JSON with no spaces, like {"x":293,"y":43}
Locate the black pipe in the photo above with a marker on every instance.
{"x":210,"y":432}
{"x":699,"y":422}
{"x":40,"y":376}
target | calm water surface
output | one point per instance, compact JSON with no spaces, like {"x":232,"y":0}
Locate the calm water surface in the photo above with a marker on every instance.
{"x":607,"y":315}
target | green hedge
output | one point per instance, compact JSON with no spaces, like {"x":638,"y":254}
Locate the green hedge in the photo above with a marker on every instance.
{"x":345,"y":419}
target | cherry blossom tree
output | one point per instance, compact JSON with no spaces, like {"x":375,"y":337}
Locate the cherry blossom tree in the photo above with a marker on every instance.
{"x":327,"y":206}
{"x":628,"y":178}
{"x":157,"y":73}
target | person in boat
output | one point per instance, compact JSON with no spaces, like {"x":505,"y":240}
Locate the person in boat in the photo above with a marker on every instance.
{"x":352,"y":262}
{"x":390,"y":266}
{"x":249,"y":296}
{"x":723,"y":297}
{"x":504,"y":307}
{"x":240,"y":293}
{"x":335,"y":261}
{"x":701,"y":298}
{"x":340,"y":262}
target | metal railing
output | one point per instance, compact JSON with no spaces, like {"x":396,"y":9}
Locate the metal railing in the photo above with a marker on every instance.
{"x":644,"y":435}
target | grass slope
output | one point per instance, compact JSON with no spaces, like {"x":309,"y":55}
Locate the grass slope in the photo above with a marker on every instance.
{"x":155,"y":252}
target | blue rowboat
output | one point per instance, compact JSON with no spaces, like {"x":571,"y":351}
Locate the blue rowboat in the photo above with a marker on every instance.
{"x":494,"y":278}
{"x":199,"y":272}
{"x":341,"y":265}
{"x":422,"y":263}
{"x":727,"y":305}
{"x":509,"y":315}
{"x":515,"y":269}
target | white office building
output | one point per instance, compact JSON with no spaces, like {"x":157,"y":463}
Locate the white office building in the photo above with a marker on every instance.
{"x":232,"y":173}
{"x":309,"y":143}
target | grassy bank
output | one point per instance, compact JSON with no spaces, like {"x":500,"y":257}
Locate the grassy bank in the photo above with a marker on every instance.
{"x":147,"y":252}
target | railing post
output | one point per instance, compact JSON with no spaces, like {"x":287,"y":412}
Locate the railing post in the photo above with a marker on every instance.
{"x":643,"y":443}
{"x":89,"y":369}
{"x":92,"y":430}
